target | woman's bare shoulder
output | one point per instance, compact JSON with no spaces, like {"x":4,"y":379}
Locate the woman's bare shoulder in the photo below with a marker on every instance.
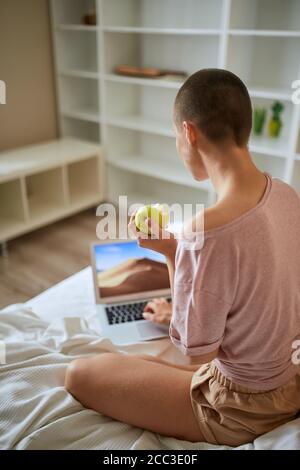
{"x":215,"y":217}
{"x":209,"y":219}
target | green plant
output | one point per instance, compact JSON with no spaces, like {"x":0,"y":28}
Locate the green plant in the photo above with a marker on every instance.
{"x":275,"y":123}
{"x":259,"y":118}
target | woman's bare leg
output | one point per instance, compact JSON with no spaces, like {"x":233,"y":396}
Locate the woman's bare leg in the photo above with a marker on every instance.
{"x":143,"y":393}
{"x":187,"y":367}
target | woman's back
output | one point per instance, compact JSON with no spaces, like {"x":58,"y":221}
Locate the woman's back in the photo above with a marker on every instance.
{"x":242,"y":292}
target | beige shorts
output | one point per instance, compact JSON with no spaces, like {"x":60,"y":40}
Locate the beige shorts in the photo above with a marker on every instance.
{"x":230,"y":414}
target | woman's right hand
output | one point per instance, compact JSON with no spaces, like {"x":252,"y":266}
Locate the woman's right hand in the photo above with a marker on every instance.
{"x":162,"y":241}
{"x":158,"y":311}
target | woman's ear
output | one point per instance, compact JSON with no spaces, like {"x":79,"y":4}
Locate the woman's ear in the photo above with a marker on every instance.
{"x":190,"y":132}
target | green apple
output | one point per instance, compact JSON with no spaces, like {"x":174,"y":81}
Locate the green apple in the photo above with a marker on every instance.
{"x":157,"y":212}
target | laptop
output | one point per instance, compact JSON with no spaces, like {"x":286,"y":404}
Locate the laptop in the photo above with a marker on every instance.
{"x":126,"y":277}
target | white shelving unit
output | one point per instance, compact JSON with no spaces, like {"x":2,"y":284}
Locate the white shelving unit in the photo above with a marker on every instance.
{"x":43,"y":183}
{"x":132,"y":117}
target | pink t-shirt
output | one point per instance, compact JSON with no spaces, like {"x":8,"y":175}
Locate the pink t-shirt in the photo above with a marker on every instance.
{"x":241,"y":292}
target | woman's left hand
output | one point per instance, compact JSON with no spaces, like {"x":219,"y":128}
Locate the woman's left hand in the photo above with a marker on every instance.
{"x":158,"y":311}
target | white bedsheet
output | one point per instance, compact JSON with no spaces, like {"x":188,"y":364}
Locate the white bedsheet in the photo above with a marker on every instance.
{"x":36,"y":411}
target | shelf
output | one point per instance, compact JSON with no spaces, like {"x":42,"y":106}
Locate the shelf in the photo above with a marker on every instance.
{"x":266,"y":63}
{"x":12,"y":214}
{"x":162,"y":14}
{"x":83,"y":180}
{"x":75,"y":50}
{"x":79,"y":73}
{"x":80,"y":129}
{"x":172,"y":31}
{"x":140,"y":198}
{"x":70,"y":13}
{"x":89,"y":115}
{"x":277,"y":147}
{"x":160,"y":51}
{"x":40,"y":211}
{"x":163,"y":195}
{"x":76,"y":27}
{"x":274,"y":166}
{"x":264,"y":33}
{"x":79,"y":98}
{"x":34,"y":188}
{"x":274,"y":146}
{"x":133,"y":115}
{"x":45,"y":193}
{"x":158,"y":168}
{"x":9,"y":227}
{"x":265,"y":15}
{"x":283,"y":94}
{"x":264,"y":145}
{"x":136,"y":107}
{"x":35,"y":158}
{"x":157,"y":82}
{"x":141,"y":123}
{"x":85,"y":201}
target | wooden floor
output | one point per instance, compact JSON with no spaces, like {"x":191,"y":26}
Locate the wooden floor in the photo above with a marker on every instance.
{"x":42,"y":258}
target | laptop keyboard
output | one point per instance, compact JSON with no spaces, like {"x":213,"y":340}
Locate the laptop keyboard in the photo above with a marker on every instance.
{"x":126,"y":312}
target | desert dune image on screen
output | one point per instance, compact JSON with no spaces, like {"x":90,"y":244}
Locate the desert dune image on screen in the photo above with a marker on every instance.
{"x":126,"y":268}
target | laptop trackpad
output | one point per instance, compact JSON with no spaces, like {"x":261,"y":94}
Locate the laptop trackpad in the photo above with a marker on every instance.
{"x":148,"y":330}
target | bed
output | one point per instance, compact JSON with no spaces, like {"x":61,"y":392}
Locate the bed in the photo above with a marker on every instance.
{"x":42,"y":336}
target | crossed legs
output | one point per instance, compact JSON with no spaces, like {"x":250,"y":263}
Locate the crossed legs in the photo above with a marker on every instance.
{"x":138,"y":390}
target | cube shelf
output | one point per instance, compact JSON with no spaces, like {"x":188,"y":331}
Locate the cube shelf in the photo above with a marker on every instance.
{"x":43,"y":183}
{"x":273,"y":146}
{"x":140,"y":108}
{"x":12,"y":208}
{"x":258,"y":40}
{"x":70,"y":12}
{"x":83,"y":181}
{"x":265,"y":61}
{"x":139,"y":189}
{"x":162,"y":14}
{"x":160,"y":51}
{"x":135,"y":155}
{"x":79,"y":98}
{"x":76,"y":50}
{"x":275,"y":167}
{"x":44,"y":193}
{"x":84,"y":130}
{"x":261,"y":15}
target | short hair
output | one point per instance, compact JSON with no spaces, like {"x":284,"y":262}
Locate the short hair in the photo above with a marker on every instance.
{"x":218,"y":102}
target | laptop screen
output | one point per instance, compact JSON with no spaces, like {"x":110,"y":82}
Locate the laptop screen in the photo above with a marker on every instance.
{"x":126,"y":269}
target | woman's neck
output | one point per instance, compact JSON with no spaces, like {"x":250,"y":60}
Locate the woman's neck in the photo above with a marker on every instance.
{"x":232,"y":171}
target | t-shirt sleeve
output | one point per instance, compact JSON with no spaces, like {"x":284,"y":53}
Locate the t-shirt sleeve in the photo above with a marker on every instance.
{"x":202,"y":298}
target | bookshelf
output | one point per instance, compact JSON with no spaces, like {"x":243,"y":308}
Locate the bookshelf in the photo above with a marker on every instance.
{"x":132,"y":117}
{"x":43,"y":183}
